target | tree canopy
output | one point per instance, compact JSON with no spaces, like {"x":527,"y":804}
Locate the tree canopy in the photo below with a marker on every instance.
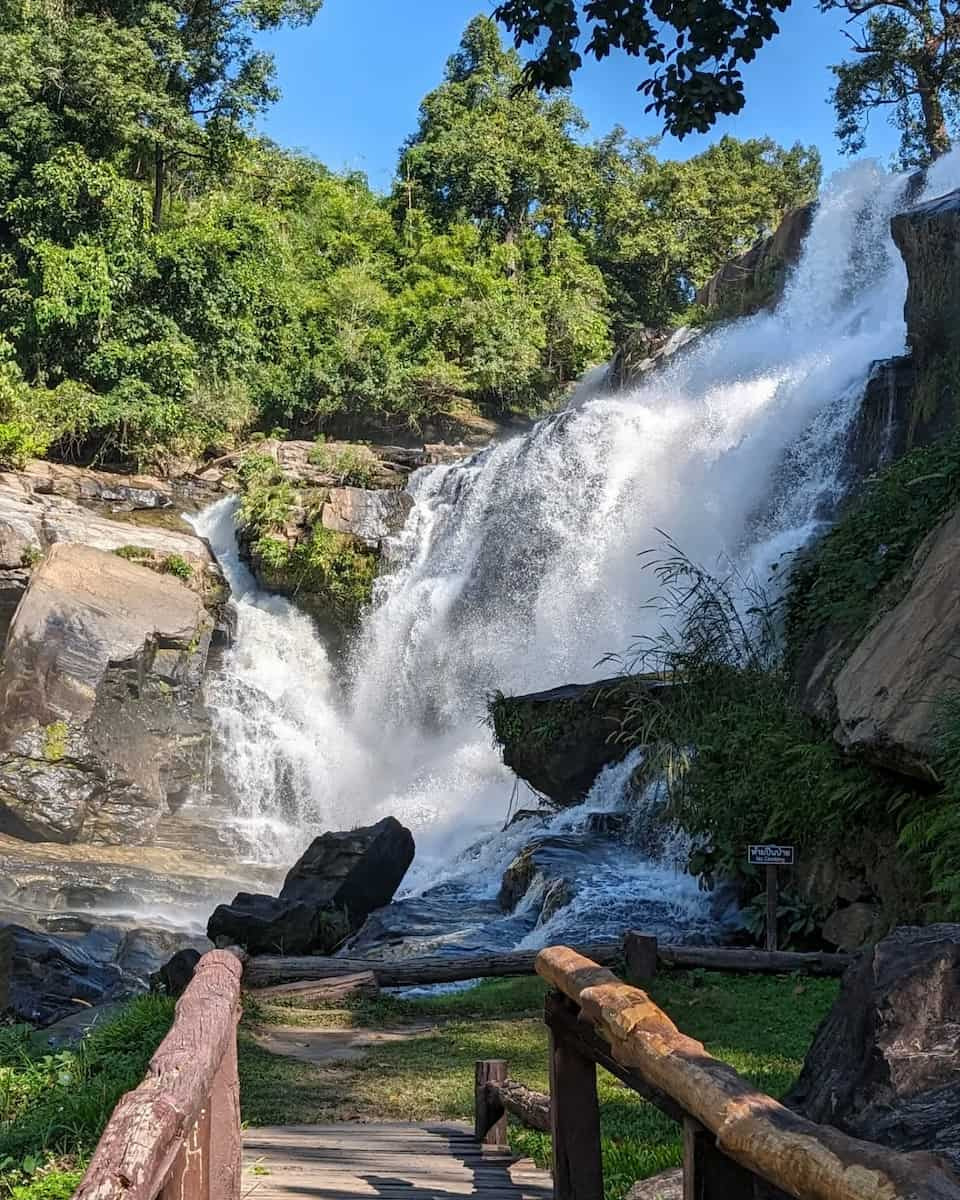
{"x":906,"y":65}
{"x":696,"y":51}
{"x":170,"y":282}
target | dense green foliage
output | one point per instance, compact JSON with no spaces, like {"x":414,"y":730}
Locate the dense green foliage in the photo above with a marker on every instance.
{"x":329,"y":573}
{"x":906,"y":65}
{"x":853,"y":572}
{"x":168,"y":282}
{"x":54,"y":1104}
{"x":743,"y":762}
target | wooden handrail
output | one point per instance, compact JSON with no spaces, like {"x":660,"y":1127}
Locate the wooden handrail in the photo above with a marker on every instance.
{"x":730,"y":1129}
{"x":177,"y":1135}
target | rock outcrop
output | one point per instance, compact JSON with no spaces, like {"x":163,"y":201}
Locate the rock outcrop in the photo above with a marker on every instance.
{"x":51,"y":504}
{"x":340,"y":879}
{"x":885,"y":696}
{"x":755,"y":280}
{"x":928,"y":237}
{"x":885,"y":1064}
{"x":43,"y":979}
{"x":558,"y":741}
{"x":102,"y":730}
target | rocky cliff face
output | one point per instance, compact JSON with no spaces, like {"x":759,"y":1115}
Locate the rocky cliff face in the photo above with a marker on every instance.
{"x":102,"y":726}
{"x":755,"y":280}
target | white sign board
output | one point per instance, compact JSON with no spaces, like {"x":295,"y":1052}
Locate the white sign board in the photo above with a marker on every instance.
{"x":771,"y":856}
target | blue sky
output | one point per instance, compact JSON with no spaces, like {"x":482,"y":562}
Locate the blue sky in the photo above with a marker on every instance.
{"x":352,"y":82}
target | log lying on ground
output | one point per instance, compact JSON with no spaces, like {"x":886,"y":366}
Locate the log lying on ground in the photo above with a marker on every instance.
{"x":763,"y":962}
{"x":361,"y":984}
{"x":268,"y":970}
{"x":813,"y":1162}
{"x":532,"y":1108}
{"x":271,"y":970}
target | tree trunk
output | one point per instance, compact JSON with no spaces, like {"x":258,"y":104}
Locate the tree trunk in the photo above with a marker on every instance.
{"x":934,"y":122}
{"x":159,"y":184}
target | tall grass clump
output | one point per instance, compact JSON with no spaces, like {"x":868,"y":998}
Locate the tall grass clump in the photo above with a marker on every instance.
{"x":742,"y":761}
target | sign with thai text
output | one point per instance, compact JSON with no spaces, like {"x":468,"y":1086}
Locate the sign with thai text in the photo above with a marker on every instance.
{"x":771,"y":856}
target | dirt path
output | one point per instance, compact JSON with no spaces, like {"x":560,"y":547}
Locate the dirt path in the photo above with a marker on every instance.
{"x":326,"y":1046}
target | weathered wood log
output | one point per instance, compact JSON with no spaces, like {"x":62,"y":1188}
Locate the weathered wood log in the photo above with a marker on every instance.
{"x":153,"y":1126}
{"x":269,"y":970}
{"x":808,"y":1161}
{"x":322,"y":991}
{"x":744,"y":960}
{"x":530,"y":1107}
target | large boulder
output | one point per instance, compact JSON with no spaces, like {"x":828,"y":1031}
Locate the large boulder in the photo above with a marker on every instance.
{"x":885,"y":1064}
{"x":355,"y":871}
{"x":328,"y":894}
{"x":887,"y":693}
{"x":102,"y":728}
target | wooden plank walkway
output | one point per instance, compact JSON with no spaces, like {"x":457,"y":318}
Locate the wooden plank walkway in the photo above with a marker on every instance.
{"x":396,"y":1161}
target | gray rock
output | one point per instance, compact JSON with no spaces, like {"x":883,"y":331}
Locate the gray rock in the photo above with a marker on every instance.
{"x":885,"y":1064}
{"x":355,"y":871}
{"x":852,"y":927}
{"x":101,"y":724}
{"x":369,"y":516}
{"x":667,"y":1186}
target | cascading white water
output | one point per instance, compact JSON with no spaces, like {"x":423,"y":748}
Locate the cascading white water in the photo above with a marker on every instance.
{"x":518,"y":568}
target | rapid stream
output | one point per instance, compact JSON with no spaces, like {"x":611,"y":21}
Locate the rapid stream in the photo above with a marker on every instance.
{"x":518,"y":570}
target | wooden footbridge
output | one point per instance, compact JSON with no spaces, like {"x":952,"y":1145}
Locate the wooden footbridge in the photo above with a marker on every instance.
{"x":178,"y":1136}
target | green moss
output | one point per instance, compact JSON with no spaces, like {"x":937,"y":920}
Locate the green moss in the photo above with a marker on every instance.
{"x":55,"y":741}
{"x":31,"y":556}
{"x":133,"y":553}
{"x":856,"y":571}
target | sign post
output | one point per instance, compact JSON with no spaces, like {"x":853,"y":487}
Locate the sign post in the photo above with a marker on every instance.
{"x":770,"y":858}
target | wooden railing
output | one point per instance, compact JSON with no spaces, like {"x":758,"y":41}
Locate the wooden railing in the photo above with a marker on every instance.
{"x":735,"y":1139}
{"x":177,"y":1135}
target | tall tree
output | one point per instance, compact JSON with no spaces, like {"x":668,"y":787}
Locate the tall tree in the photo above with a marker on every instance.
{"x":907,"y":64}
{"x":485,"y":153}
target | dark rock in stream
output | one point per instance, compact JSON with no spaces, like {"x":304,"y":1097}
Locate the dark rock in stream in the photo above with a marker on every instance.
{"x":266,"y":925}
{"x":355,"y":871}
{"x":175,"y":974}
{"x":885,"y":1064}
{"x":43,"y":978}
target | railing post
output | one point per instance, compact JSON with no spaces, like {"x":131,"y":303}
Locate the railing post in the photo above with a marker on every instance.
{"x":226,"y":1149}
{"x":640,"y":951}
{"x":707,"y":1172}
{"x":575,"y":1123}
{"x":490,"y":1118}
{"x":189,"y":1178}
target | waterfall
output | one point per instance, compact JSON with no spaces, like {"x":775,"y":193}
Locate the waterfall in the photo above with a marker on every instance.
{"x":517,"y":569}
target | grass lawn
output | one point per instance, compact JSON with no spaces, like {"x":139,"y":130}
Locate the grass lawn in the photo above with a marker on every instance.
{"x":53,"y":1106}
{"x":762,"y":1025}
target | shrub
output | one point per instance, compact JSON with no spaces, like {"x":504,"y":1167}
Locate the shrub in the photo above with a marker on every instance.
{"x":849,"y":575}
{"x":350,"y":466}
{"x":53,"y":1106}
{"x":176,"y":564}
